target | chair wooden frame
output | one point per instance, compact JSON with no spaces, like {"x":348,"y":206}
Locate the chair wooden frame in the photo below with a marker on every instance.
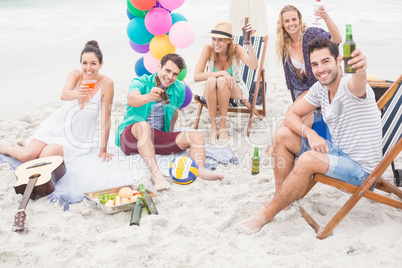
{"x":364,"y":189}
{"x":249,"y":108}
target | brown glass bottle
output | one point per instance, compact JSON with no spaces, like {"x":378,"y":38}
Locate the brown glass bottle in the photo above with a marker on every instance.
{"x":164,"y":95}
{"x":246,"y":35}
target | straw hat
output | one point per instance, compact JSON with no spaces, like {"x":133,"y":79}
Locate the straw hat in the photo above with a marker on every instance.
{"x":222,"y":30}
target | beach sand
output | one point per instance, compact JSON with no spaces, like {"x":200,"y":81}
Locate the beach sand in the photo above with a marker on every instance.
{"x":195,"y":225}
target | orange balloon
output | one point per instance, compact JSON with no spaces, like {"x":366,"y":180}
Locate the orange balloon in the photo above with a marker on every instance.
{"x":160,"y":46}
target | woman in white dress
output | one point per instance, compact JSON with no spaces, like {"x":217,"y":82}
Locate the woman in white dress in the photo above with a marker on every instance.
{"x":70,"y":131}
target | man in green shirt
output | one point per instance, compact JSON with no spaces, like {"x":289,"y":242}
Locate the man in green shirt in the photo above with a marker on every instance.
{"x":147,"y":126}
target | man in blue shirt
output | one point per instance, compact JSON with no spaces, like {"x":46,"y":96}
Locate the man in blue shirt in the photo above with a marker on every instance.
{"x":146,"y":127}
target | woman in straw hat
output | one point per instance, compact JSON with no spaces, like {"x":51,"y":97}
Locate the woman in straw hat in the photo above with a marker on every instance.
{"x":223,"y":59}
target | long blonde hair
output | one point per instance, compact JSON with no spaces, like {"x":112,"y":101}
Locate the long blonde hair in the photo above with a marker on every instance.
{"x":230,"y":52}
{"x":283,"y":39}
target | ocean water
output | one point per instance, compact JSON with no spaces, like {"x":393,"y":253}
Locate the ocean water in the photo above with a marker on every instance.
{"x":41,"y":41}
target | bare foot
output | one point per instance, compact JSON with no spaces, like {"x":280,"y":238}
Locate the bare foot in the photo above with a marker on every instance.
{"x":160,"y":183}
{"x":223,"y":135}
{"x":207,"y":175}
{"x":213,"y":136}
{"x":252,"y":225}
{"x":4,"y":147}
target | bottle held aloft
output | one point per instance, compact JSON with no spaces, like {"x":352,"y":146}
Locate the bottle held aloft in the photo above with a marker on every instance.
{"x":164,"y":95}
{"x":255,"y":162}
{"x":246,"y":34}
{"x":348,"y":47}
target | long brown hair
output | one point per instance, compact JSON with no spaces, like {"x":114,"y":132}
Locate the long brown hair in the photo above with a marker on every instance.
{"x":283,"y":39}
{"x":230,"y":52}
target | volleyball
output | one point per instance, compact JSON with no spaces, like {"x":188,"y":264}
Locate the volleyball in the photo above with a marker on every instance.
{"x":183,"y":170}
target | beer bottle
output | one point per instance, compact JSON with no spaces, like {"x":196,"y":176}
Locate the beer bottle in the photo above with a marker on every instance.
{"x":246,"y":35}
{"x":164,"y":95}
{"x":148,"y":202}
{"x":136,"y":213}
{"x":255,"y":163}
{"x":348,"y":47}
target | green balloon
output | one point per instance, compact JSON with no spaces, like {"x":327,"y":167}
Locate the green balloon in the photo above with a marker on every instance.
{"x":182,"y":74}
{"x":136,"y":12}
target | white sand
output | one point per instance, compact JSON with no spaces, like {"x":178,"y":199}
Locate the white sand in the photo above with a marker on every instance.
{"x":195,"y":227}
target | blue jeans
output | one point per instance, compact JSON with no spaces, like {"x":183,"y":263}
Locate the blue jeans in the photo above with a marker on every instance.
{"x":341,"y":167}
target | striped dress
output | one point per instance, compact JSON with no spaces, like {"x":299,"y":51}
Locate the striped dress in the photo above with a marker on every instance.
{"x":354,"y":123}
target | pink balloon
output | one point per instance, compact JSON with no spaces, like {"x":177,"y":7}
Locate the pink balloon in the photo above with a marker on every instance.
{"x":150,"y":63}
{"x":158,"y":21}
{"x":182,"y":34}
{"x":171,"y":4}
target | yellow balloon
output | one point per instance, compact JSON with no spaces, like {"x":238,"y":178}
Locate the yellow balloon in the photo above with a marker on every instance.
{"x":160,"y":46}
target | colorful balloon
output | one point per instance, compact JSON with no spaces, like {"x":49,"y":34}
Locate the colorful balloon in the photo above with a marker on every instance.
{"x":182,"y":74}
{"x":130,"y":15}
{"x":150,"y":63}
{"x":182,"y":34}
{"x":171,"y":4}
{"x":188,"y":97}
{"x":139,"y":48}
{"x":160,"y":46}
{"x":135,"y":11}
{"x":143,"y":4}
{"x":158,"y":21}
{"x":137,"y":32}
{"x":139,"y":67}
{"x":176,"y":17}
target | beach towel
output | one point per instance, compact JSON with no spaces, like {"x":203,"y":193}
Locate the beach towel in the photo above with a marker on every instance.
{"x":88,"y":173}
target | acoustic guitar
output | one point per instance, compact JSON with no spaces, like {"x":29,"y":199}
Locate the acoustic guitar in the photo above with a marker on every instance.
{"x":36,"y":178}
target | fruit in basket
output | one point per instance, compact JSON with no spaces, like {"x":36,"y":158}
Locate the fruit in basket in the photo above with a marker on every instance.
{"x":124,"y":200}
{"x":125,"y":192}
{"x":109,"y":203}
{"x":117,"y":200}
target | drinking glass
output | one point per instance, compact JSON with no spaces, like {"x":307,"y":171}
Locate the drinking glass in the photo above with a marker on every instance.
{"x":90,"y":84}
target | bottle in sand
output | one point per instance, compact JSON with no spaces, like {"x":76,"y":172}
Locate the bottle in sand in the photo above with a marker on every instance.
{"x":148,"y":202}
{"x":246,"y":35}
{"x":136,"y":213}
{"x":255,"y":163}
{"x":348,"y":47}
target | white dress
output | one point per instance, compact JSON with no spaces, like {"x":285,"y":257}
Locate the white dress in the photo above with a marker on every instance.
{"x":71,"y":127}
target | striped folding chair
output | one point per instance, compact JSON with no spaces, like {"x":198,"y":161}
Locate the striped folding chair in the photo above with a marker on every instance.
{"x":390,"y":104}
{"x":254,"y":80}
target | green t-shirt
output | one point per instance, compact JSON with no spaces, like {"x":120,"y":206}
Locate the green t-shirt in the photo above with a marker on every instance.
{"x":144,"y":84}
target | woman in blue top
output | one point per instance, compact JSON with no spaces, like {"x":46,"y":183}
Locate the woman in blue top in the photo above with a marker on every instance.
{"x":222,"y":59}
{"x":292,"y":39}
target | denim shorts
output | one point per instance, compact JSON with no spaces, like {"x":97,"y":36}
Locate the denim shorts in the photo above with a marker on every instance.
{"x":341,"y":167}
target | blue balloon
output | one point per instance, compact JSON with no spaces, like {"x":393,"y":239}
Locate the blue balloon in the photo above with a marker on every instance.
{"x":137,"y":32}
{"x":177,"y":17}
{"x":130,"y":15}
{"x":139,"y":67}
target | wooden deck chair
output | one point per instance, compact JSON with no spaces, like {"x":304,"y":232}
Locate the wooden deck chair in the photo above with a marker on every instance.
{"x":390,"y":104}
{"x":248,"y":75}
